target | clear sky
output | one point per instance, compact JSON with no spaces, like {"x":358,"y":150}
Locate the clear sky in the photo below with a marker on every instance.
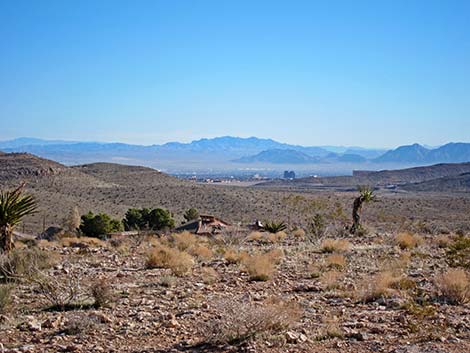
{"x":372,"y":73}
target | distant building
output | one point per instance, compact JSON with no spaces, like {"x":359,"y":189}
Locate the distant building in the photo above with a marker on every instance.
{"x":289,"y":174}
{"x":205,"y":225}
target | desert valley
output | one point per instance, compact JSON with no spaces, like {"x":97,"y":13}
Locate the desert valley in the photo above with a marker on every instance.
{"x":295,"y":281}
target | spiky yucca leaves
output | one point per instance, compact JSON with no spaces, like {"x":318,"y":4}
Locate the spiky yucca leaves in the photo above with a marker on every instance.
{"x":366,"y":195}
{"x":274,"y":227}
{"x":14,"y":206}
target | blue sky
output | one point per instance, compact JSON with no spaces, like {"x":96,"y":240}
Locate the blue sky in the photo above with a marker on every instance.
{"x":370,"y":73}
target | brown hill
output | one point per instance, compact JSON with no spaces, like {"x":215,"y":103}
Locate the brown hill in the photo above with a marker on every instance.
{"x":25,"y":165}
{"x":459,"y":183}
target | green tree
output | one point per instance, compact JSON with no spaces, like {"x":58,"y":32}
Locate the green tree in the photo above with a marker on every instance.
{"x":160,"y":218}
{"x":14,"y":206}
{"x":191,"y":214}
{"x":95,"y":225}
{"x":135,"y":219}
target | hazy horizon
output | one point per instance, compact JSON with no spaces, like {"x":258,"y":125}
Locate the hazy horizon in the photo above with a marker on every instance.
{"x":367,"y":73}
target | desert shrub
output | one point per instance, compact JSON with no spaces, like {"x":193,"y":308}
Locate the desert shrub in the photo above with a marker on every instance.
{"x":260,"y":267}
{"x":101,"y":224}
{"x":298,"y":233}
{"x":454,"y":286}
{"x":330,"y":279}
{"x":178,"y":262}
{"x":62,"y":293}
{"x":274,"y":227}
{"x":82,"y":242}
{"x":379,"y":286}
{"x":275,"y":255}
{"x":202,"y":252}
{"x":408,"y":240}
{"x":334,"y":245}
{"x":184,"y":240}
{"x":102,"y":293}
{"x":336,"y":261}
{"x":239,"y":321}
{"x":254,"y":236}
{"x":458,"y":253}
{"x":209,"y":275}
{"x":5,"y":296}
{"x":317,"y":226}
{"x":80,"y":325}
{"x":167,"y":281}
{"x":160,"y":219}
{"x":232,"y":256}
{"x":442,"y":241}
{"x":21,"y":263}
{"x":191,"y":214}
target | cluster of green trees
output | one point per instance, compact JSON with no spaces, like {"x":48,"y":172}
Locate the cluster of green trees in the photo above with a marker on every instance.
{"x":94,"y":225}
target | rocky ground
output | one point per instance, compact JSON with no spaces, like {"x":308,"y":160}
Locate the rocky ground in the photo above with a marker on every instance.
{"x":371,"y":296}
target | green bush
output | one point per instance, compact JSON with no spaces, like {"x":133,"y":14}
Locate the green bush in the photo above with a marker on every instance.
{"x":156,"y":219}
{"x":191,"y":214}
{"x":95,"y":225}
{"x":458,"y":253}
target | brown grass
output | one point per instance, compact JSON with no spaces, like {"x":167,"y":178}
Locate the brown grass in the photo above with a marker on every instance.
{"x":407,"y":240}
{"x":255,"y":236}
{"x":260,"y":267}
{"x":202,"y":252}
{"x":184,"y":240}
{"x":454,"y":286}
{"x":238,"y":321}
{"x":330,"y":279}
{"x":379,"y":286}
{"x":335,"y":245}
{"x":209,"y":275}
{"x":82,"y":242}
{"x":336,"y":261}
{"x":178,"y":262}
{"x":298,"y":233}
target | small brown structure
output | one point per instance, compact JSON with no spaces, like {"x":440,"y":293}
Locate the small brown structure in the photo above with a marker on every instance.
{"x":205,"y":225}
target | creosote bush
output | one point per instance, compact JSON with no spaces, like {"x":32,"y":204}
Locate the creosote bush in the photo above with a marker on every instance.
{"x":102,"y":293}
{"x":22,"y":263}
{"x":239,"y":321}
{"x":177,"y":261}
{"x":454,"y":286}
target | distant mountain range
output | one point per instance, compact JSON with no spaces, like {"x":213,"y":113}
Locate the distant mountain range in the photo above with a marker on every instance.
{"x":449,"y":153}
{"x":233,"y":153}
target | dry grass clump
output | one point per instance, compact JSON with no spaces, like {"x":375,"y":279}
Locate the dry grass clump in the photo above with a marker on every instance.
{"x":209,"y":275}
{"x":233,"y":257}
{"x":407,"y":240}
{"x":330,"y":279}
{"x":255,"y":236}
{"x":239,"y":321}
{"x":275,"y":255}
{"x":21,"y":263}
{"x":82,"y":242}
{"x":202,"y":252}
{"x":298,"y":233}
{"x":275,"y":237}
{"x":260,"y":267}
{"x":5,"y":296}
{"x":178,"y":262}
{"x":442,"y":241}
{"x":336,"y":261}
{"x":454,"y":286}
{"x":102,"y":293}
{"x":379,"y":286}
{"x":335,"y":245}
{"x":184,"y":240}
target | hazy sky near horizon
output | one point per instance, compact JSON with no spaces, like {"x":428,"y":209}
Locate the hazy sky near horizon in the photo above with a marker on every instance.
{"x":370,"y":73}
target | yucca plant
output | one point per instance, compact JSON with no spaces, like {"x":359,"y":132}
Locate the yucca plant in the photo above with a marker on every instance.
{"x":274,"y":227}
{"x":14,"y":206}
{"x":366,"y":195}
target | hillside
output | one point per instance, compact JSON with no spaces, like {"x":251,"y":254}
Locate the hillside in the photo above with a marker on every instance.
{"x":459,"y":183}
{"x":24,"y":165}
